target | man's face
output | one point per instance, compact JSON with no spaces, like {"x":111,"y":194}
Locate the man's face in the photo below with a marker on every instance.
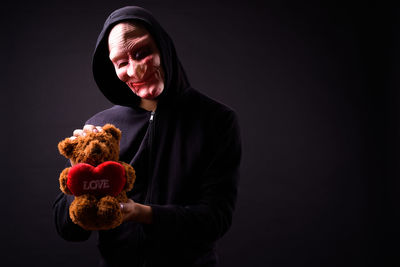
{"x":136,"y":59}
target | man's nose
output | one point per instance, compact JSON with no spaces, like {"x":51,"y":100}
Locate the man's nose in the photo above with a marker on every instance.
{"x":136,"y":70}
{"x":131,"y":69}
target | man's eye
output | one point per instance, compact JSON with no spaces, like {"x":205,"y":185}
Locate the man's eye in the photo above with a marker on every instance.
{"x":122,"y":64}
{"x":140,"y":54}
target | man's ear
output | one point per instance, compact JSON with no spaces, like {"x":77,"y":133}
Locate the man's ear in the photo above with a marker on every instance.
{"x":114,"y":131}
{"x":66,"y":147}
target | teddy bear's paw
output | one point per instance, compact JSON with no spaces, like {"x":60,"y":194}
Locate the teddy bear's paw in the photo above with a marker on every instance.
{"x":83,"y":211}
{"x":63,"y":181}
{"x":130,"y":176}
{"x":108,"y":212}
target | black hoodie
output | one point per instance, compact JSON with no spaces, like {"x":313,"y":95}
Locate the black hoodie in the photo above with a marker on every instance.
{"x":186,"y":156}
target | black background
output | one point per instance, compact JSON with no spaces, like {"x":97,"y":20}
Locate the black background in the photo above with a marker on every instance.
{"x":315,"y":88}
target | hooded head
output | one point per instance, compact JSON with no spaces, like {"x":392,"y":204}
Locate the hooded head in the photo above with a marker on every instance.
{"x":117,"y":91}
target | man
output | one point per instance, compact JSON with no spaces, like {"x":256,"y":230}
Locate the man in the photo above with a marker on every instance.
{"x":184,"y":146}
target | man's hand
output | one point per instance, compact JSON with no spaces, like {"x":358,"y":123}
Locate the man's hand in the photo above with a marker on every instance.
{"x":132,"y":211}
{"x":86,"y":129}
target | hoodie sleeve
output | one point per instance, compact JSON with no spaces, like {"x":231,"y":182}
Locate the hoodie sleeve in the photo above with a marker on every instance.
{"x":211,"y":216}
{"x":64,"y":225}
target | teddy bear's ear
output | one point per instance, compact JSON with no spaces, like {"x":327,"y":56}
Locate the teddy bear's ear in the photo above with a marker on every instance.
{"x":66,"y":147}
{"x":114,"y":131}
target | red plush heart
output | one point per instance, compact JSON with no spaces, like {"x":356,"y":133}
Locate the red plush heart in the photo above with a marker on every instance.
{"x":107,"y":178}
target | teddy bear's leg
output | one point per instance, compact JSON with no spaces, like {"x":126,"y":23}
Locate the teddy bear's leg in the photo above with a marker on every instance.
{"x":83,"y":211}
{"x":109,"y":213}
{"x":121,"y":197}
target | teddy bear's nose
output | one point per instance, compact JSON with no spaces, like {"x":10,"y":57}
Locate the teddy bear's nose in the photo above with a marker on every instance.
{"x":96,"y":149}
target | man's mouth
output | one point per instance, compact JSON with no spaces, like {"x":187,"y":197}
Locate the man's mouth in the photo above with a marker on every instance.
{"x":137,"y":84}
{"x":134,"y":84}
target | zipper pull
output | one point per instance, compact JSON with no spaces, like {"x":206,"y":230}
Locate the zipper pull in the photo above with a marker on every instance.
{"x":152,"y":116}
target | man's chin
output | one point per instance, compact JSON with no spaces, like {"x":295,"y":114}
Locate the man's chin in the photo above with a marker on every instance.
{"x":148,"y":94}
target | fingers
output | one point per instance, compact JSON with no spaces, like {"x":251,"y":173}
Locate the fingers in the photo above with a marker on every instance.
{"x":125,"y":206}
{"x":78,"y":132}
{"x":88,"y":128}
{"x":127,"y":210}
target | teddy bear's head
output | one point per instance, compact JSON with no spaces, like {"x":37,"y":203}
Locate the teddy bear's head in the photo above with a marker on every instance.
{"x":93,"y":148}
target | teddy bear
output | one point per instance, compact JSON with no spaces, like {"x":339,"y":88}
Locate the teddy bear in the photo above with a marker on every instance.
{"x":97,"y":180}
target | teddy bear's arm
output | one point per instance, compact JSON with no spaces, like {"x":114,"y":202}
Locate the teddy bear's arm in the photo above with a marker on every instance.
{"x":63,"y":181}
{"x":130,"y":176}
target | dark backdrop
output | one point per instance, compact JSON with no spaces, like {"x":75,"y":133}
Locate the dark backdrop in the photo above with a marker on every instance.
{"x":315,"y":89}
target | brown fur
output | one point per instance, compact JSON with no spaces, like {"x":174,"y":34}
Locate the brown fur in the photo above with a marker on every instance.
{"x":87,"y":211}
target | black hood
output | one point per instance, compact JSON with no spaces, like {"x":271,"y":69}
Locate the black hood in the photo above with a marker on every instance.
{"x":103,"y":70}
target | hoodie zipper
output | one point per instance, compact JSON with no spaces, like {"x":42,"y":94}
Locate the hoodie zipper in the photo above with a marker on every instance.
{"x":150,"y":158}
